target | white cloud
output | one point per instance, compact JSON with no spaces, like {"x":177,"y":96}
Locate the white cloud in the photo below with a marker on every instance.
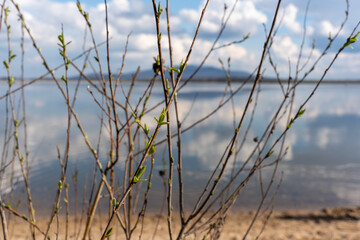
{"x":326,"y":136}
{"x":118,"y":6}
{"x":285,"y":48}
{"x":143,"y":42}
{"x":326,"y":27}
{"x":45,"y":18}
{"x":189,"y":15}
{"x":289,"y":20}
{"x":347,"y":64}
{"x":343,"y":102}
{"x":245,"y":18}
{"x":290,"y":142}
{"x":207,"y":148}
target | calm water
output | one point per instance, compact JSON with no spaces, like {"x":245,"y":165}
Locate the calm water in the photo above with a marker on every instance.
{"x":321,"y":168}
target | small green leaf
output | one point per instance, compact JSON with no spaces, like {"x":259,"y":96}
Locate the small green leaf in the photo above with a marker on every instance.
{"x":138,"y":174}
{"x":79,"y":8}
{"x":146,"y":129}
{"x":135,"y":180}
{"x":140,"y":171}
{"x":351,"y":40}
{"x":182,"y":65}
{"x":173,"y":69}
{"x":132,"y":113}
{"x":114,"y":203}
{"x":7,"y":10}
{"x":67,"y":63}
{"x":12,"y":56}
{"x":158,"y":60}
{"x":108,"y":233}
{"x":57,"y":209}
{"x":161,"y":119}
{"x":167,"y":86}
{"x":142,"y":112}
{"x":152,"y":150}
{"x":301,"y":112}
{"x":61,"y":38}
{"x":96,"y":59}
{"x":146,"y":99}
{"x":269,"y":154}
{"x":11,"y":81}
{"x":63,"y":79}
{"x":291,"y":122}
{"x":147,"y":143}
{"x":137,"y":121}
{"x":159,"y":11}
{"x":6,"y":64}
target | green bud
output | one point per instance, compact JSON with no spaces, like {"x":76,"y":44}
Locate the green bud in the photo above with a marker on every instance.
{"x":60,"y":185}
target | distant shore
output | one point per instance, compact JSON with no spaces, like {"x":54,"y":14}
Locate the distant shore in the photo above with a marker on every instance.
{"x":211,"y":80}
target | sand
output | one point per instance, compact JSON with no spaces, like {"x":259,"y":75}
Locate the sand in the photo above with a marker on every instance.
{"x":337,"y":223}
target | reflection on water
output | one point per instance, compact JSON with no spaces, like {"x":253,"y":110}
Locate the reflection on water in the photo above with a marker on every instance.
{"x":320,"y":169}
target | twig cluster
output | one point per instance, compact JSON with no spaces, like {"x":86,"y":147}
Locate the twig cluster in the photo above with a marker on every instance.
{"x":121,"y":123}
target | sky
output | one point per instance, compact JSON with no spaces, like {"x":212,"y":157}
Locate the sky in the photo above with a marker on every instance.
{"x":135,"y":17}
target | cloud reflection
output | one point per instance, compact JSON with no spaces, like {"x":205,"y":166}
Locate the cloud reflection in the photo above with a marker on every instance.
{"x":327,"y":133}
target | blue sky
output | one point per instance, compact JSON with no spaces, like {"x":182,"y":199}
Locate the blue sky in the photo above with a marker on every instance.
{"x":45,"y":18}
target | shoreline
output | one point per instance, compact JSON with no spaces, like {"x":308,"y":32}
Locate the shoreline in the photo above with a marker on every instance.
{"x":206,"y":81}
{"x":329,"y":223}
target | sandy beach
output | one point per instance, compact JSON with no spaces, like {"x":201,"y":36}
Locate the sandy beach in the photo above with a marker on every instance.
{"x":335,"y":223}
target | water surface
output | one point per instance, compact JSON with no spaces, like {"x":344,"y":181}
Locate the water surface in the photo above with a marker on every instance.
{"x":320,"y":169}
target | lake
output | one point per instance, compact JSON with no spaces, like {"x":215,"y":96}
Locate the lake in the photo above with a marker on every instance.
{"x":321,"y":167}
